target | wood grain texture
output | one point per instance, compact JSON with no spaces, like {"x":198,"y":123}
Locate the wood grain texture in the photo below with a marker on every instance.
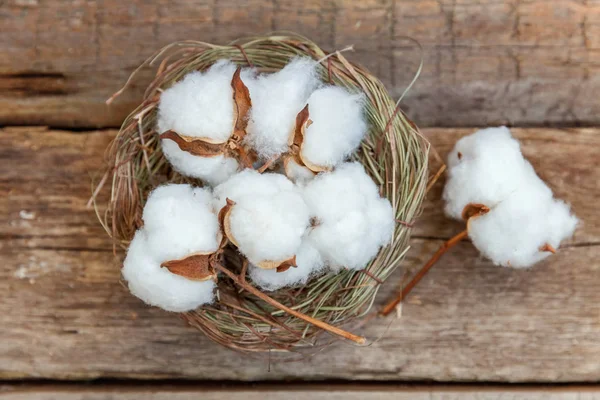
{"x":293,"y":392}
{"x":521,"y":62}
{"x":64,"y":314}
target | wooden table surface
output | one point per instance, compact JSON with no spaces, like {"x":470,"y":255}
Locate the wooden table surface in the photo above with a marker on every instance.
{"x":65,"y":318}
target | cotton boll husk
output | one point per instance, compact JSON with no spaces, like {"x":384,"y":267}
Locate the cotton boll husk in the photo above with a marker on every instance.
{"x":353,"y":221}
{"x":309,"y":264}
{"x":180,"y":220}
{"x":250,"y":182}
{"x":513,"y":232}
{"x":157,"y":286}
{"x":200,"y":105}
{"x":338,"y":126}
{"x":491,"y":168}
{"x":212,"y":170}
{"x":269,"y":228}
{"x":276,"y":100}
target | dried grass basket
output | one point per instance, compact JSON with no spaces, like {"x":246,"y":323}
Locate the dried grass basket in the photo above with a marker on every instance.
{"x":394,"y":154}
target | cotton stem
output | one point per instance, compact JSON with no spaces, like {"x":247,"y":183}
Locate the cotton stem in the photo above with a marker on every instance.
{"x":320,"y":324}
{"x":447,"y":245}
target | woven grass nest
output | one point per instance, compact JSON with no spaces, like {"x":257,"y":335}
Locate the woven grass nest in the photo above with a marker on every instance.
{"x":394,"y":154}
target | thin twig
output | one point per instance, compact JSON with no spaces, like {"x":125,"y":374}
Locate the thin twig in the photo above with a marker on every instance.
{"x":320,"y":324}
{"x":434,"y":179}
{"x":389,"y":307}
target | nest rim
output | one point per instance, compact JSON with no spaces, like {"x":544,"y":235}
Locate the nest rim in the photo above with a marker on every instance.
{"x":394,"y":154}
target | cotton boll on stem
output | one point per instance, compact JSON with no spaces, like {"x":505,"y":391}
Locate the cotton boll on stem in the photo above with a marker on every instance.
{"x":276,"y":100}
{"x":167,"y":263}
{"x":337,"y":127}
{"x":353,"y":221}
{"x":488,"y":169}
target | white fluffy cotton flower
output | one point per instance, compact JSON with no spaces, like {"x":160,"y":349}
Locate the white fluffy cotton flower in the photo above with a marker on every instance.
{"x":268,"y":219}
{"x":352,"y":221}
{"x":524,"y":222}
{"x":338,"y":126}
{"x":276,"y":100}
{"x":201,"y":106}
{"x":178,"y":221}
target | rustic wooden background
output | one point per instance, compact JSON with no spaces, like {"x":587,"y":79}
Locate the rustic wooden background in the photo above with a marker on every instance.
{"x":64,"y":316}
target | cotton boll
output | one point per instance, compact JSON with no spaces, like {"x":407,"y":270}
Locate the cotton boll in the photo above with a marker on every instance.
{"x":178,"y":221}
{"x":200,"y":105}
{"x":484,"y":168}
{"x":513,"y":232}
{"x":353,"y":221}
{"x":269,"y":228}
{"x":212,"y":170}
{"x":157,"y":286}
{"x":309,"y":264}
{"x":276,"y":100}
{"x":250,"y":182}
{"x":338,"y":126}
{"x":487,"y":167}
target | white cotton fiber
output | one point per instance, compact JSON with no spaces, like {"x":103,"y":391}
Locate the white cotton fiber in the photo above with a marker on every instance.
{"x":353,"y":221}
{"x":212,"y":170}
{"x":310,"y":263}
{"x":269,"y":227}
{"x":489,"y":168}
{"x":178,"y":221}
{"x":338,"y":126}
{"x":296,"y":172}
{"x":200,"y":105}
{"x":514,"y":231}
{"x":276,"y":100}
{"x":248,"y":183}
{"x":523,"y":216}
{"x":184,"y":216}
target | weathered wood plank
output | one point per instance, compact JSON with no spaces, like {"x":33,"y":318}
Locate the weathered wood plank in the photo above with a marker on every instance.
{"x":64,"y":314}
{"x":59,"y":166}
{"x":485,"y":62}
{"x":312,"y":391}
